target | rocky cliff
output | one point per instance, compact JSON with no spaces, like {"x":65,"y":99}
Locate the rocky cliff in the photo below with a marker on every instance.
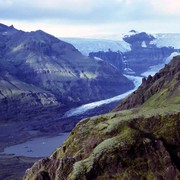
{"x":136,"y":143}
{"x":114,"y":58}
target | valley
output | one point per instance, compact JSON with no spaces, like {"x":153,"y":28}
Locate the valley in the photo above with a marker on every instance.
{"x":48,"y":85}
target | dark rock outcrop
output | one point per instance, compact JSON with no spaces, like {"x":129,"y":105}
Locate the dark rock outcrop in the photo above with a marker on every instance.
{"x":114,"y":58}
{"x":143,"y":54}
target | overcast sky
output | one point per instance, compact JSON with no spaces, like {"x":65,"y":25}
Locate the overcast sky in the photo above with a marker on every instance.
{"x":80,"y":18}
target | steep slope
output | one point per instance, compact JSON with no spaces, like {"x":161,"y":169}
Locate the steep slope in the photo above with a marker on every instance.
{"x":139,"y":143}
{"x":21,"y":101}
{"x":157,"y":91}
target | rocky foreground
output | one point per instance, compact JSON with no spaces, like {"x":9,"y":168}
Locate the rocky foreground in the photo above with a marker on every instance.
{"x":140,"y":142}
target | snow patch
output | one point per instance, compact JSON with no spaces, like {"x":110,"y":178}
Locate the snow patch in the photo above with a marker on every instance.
{"x":99,"y":59}
{"x":144,"y":44}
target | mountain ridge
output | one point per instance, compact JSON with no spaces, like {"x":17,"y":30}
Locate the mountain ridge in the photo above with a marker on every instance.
{"x":57,"y":67}
{"x":148,"y":89}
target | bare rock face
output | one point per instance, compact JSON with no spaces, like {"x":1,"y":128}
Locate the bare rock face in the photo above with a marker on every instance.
{"x":138,"y":143}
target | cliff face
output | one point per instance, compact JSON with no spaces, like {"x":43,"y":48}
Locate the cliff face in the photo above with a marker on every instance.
{"x":114,"y":58}
{"x":137,"y":143}
{"x":19,"y":100}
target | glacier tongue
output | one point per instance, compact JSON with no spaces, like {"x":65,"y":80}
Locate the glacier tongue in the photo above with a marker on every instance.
{"x":137,"y":82}
{"x":84,"y":108}
{"x":154,"y":69}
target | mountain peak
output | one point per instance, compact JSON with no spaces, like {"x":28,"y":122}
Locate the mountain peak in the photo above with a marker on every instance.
{"x":7,"y":30}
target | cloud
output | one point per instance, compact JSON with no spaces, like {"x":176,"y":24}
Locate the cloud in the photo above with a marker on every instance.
{"x":170,"y":7}
{"x":78,"y":11}
{"x":95,"y":14}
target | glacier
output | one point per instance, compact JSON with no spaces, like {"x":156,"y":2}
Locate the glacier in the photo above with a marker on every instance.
{"x":137,"y":80}
{"x":85,"y":45}
{"x":167,"y":39}
{"x":154,"y":69}
{"x":116,"y":43}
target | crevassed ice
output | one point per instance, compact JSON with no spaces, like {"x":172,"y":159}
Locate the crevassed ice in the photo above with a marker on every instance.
{"x":85,"y":45}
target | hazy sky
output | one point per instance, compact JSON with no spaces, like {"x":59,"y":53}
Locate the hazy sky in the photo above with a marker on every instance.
{"x":92,"y":17}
